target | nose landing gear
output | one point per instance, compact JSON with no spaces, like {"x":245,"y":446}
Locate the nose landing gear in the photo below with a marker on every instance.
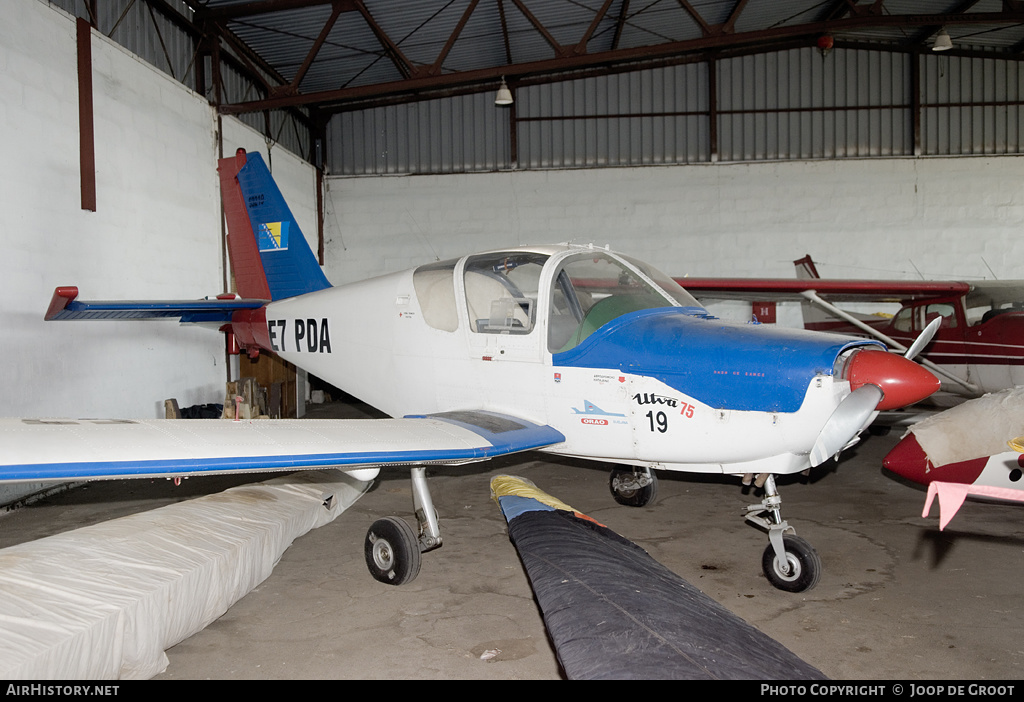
{"x":790,"y":563}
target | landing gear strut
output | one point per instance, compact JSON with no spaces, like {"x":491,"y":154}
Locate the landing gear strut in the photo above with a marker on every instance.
{"x":790,"y":563}
{"x":633,"y":487}
{"x":392,"y":548}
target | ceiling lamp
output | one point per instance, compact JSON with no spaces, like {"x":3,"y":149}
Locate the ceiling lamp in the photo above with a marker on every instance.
{"x":942,"y":41}
{"x":825,"y":44}
{"x":504,"y":96}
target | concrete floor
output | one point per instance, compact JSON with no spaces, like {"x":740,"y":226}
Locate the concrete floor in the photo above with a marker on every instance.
{"x":897,"y":600}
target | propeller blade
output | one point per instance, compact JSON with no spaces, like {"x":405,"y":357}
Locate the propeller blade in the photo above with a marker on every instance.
{"x":848,"y":420}
{"x":923,"y":339}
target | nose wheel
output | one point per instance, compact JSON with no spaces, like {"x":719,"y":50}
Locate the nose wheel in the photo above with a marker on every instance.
{"x":802,"y":565}
{"x":790,"y":563}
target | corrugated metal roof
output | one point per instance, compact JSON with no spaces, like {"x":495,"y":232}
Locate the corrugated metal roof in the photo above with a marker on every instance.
{"x":387,"y":48}
{"x":597,"y":82}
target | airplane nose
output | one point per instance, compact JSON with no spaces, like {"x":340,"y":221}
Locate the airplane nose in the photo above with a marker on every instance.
{"x":902,"y":382}
{"x":909,"y":460}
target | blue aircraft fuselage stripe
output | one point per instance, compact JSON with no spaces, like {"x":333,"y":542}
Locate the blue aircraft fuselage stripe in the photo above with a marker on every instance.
{"x":726,"y":366}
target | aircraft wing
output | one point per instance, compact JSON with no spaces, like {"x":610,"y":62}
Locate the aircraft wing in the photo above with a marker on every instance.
{"x":836,"y":290}
{"x":90,"y":449}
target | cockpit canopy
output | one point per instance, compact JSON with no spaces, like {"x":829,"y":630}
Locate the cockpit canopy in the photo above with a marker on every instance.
{"x":574,"y":292}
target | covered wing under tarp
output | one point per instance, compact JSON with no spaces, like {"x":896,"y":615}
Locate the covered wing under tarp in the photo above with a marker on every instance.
{"x":106,"y":601}
{"x":976,"y":428}
{"x":613,"y":612}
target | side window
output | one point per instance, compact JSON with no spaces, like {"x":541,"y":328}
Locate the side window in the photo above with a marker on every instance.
{"x":915,"y":319}
{"x":940,"y":309}
{"x":501,"y":292}
{"x":434,"y":284}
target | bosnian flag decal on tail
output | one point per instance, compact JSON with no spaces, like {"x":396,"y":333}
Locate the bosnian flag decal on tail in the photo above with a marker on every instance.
{"x":274,"y":236}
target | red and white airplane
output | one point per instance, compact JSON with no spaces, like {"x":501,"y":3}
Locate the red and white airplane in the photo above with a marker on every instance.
{"x":978,"y":348}
{"x":971,"y":449}
{"x":572,"y":350}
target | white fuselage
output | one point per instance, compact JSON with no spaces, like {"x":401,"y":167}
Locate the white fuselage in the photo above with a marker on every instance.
{"x":372,"y":340}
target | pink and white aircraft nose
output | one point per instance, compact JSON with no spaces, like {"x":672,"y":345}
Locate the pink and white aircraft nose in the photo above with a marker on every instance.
{"x":902,"y":382}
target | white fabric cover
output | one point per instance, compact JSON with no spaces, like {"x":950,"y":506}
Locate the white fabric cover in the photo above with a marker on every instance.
{"x":105,"y":601}
{"x":974,"y":429}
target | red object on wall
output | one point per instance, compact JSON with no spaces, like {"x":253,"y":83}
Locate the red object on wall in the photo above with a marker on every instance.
{"x":764,"y":312}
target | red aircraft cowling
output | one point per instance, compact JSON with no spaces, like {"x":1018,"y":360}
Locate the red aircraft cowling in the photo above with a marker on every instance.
{"x":902,"y":382}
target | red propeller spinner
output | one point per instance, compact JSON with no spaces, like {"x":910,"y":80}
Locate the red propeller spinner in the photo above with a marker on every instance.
{"x":901,"y":381}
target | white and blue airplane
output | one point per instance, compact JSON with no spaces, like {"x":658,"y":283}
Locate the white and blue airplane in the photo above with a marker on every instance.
{"x":571,"y":350}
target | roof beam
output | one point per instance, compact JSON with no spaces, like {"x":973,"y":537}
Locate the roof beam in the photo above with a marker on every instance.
{"x":581,"y":46}
{"x":737,"y":10}
{"x":559,"y":49}
{"x":260,"y":7}
{"x":620,"y":24}
{"x":705,"y":28}
{"x":436,"y":68}
{"x":403,"y":64}
{"x":504,"y":32}
{"x":568,"y":63}
{"x":293,"y":87}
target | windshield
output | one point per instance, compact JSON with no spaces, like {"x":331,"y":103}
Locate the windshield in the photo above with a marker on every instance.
{"x":592,"y":289}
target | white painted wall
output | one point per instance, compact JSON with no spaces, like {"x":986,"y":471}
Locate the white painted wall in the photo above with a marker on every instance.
{"x":156,"y":233}
{"x":872,"y":218}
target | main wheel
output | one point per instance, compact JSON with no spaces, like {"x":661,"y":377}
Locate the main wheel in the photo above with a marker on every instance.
{"x":804,"y":565}
{"x":624,"y":489}
{"x":392,"y":551}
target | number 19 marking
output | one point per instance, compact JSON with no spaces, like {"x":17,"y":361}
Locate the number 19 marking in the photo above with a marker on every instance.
{"x":659,"y":421}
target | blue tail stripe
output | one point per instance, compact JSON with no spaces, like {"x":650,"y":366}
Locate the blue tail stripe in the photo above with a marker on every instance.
{"x":289,"y":263}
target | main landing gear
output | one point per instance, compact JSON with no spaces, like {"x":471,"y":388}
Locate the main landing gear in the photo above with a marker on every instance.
{"x":392,"y":548}
{"x":790,"y":563}
{"x":633,"y":487}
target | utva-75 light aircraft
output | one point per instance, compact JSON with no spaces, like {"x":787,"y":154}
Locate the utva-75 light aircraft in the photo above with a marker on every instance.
{"x":572,"y":350}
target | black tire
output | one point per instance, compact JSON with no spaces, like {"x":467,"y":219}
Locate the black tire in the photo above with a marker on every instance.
{"x":392,"y":551}
{"x":804,"y":563}
{"x":640,"y":497}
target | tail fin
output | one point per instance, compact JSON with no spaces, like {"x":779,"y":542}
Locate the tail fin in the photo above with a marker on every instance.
{"x":269,"y":255}
{"x":805,"y":268}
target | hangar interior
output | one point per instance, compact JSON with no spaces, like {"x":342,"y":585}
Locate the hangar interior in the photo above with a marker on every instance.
{"x":714,"y":138}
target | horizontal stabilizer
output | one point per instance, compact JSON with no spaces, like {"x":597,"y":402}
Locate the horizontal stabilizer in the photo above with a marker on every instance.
{"x":952,"y":495}
{"x":613,"y":612}
{"x":65,"y":306}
